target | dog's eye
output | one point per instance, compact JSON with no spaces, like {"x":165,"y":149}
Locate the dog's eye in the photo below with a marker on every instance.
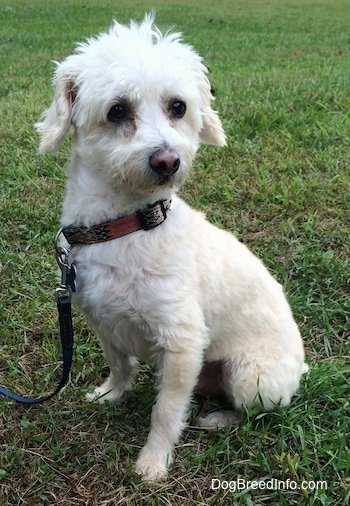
{"x":117,"y":113}
{"x":177,"y":109}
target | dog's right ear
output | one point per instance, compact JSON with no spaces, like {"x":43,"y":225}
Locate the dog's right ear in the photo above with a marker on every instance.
{"x":58,"y":118}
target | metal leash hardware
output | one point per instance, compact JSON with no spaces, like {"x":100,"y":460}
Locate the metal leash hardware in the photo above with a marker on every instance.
{"x":68,"y":270}
{"x":63,"y":296}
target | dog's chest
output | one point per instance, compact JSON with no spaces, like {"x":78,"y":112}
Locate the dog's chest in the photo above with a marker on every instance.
{"x":123,"y":304}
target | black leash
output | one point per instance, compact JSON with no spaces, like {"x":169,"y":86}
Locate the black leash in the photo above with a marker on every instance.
{"x":63,"y":297}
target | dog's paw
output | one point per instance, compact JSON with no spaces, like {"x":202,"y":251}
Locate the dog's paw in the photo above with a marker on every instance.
{"x":102,"y":395}
{"x":149,"y":467}
{"x":219,"y":419}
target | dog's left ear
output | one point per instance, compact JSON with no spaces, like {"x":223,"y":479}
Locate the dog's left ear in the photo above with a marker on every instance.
{"x":212,"y":131}
{"x":58,"y":117}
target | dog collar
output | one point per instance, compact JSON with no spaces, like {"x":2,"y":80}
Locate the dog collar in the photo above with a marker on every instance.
{"x":143,"y":219}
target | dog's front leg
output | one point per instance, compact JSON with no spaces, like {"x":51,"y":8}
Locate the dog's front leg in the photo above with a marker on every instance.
{"x":179,"y":375}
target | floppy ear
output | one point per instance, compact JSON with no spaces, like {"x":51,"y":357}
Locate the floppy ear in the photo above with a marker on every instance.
{"x":212,"y":131}
{"x":58,"y":118}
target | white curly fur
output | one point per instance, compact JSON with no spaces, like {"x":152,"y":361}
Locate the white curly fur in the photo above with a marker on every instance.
{"x":184,"y":293}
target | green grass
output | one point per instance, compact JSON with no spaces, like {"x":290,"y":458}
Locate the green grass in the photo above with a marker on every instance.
{"x":282,"y":78}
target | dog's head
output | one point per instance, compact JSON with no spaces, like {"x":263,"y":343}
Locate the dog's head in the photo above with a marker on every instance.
{"x":139,"y":103}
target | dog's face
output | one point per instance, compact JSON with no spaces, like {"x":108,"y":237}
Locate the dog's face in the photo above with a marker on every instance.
{"x":139,"y":104}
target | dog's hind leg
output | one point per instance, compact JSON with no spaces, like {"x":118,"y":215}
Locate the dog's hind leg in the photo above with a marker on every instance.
{"x":251,"y":380}
{"x":211,"y":381}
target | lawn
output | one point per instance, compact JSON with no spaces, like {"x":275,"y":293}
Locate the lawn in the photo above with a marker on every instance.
{"x":281,"y":74}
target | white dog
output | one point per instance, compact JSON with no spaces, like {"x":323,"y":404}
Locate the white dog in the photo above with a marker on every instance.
{"x":183,"y":293}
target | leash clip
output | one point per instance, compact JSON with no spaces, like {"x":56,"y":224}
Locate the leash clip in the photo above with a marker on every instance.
{"x":63,"y":296}
{"x":68,"y":271}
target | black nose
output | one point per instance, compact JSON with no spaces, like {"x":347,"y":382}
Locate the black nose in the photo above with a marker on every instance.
{"x":165,"y":162}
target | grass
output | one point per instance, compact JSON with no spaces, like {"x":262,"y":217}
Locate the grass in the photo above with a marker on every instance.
{"x":281,"y":74}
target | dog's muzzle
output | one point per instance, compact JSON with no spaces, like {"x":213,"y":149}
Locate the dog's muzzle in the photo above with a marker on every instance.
{"x":165,"y":162}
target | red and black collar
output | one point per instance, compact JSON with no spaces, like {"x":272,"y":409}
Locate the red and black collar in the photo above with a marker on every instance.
{"x":143,"y":219}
